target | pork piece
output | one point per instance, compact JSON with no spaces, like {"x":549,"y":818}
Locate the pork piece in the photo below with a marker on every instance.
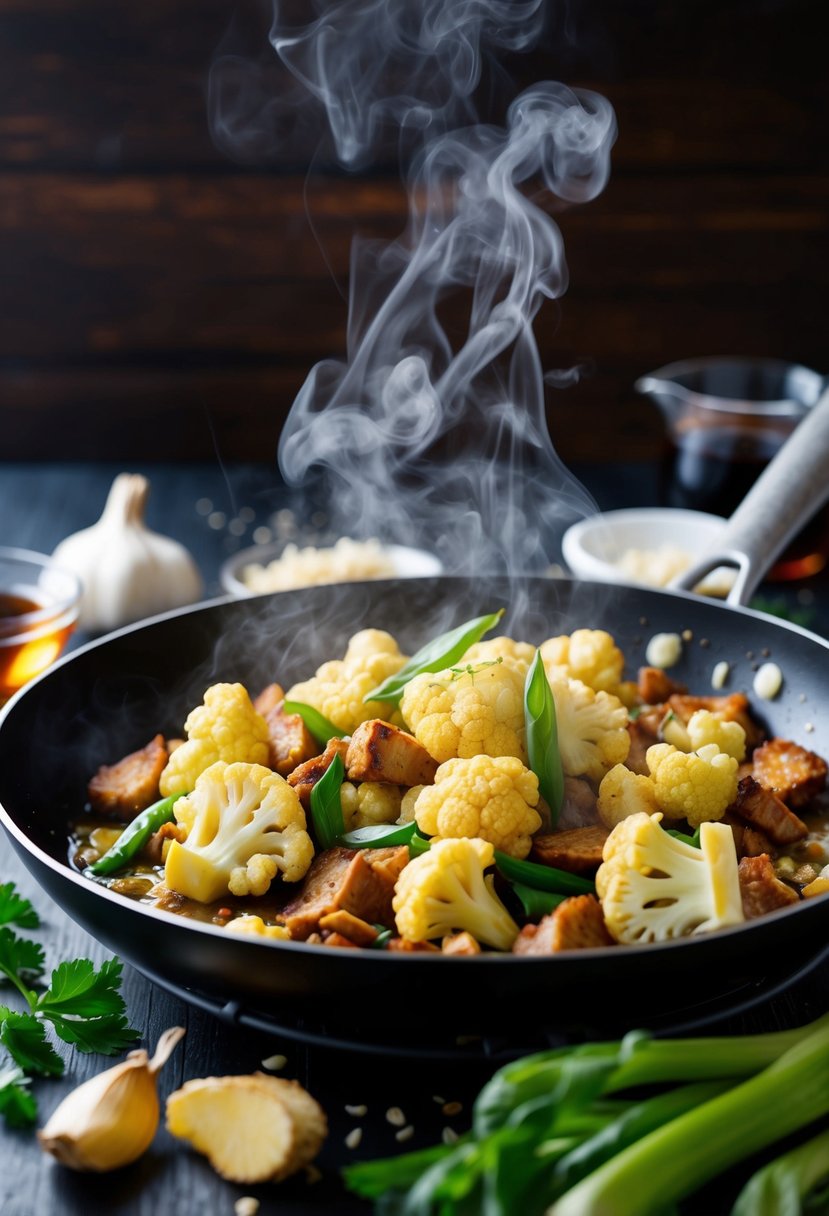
{"x":733,"y":708}
{"x":576,"y":924}
{"x":359,"y":932}
{"x":290,"y":742}
{"x":460,"y":943}
{"x":401,"y":946}
{"x":131,"y":785}
{"x":379,"y":751}
{"x":655,"y":685}
{"x":761,"y":889}
{"x":579,"y":851}
{"x":795,"y":774}
{"x":153,"y":850}
{"x":748,"y":841}
{"x":641,"y":738}
{"x":358,"y":881}
{"x":306,"y":775}
{"x":337,"y":939}
{"x":761,"y":807}
{"x":578,"y":807}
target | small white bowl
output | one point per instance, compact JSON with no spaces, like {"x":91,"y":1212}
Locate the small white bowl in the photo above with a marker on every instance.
{"x":408,"y":563}
{"x":592,"y":547}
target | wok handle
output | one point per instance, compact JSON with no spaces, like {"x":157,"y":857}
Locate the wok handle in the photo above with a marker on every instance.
{"x":793,"y":487}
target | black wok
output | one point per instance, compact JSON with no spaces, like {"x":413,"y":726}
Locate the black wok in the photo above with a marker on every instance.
{"x":113,"y":695}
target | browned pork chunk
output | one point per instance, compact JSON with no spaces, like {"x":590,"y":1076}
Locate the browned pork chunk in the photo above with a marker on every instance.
{"x":641,"y":738}
{"x":578,"y":807}
{"x":748,"y":841}
{"x":655,"y":685}
{"x":131,"y":785}
{"x":360,"y":882}
{"x":379,"y":751}
{"x":460,"y":943}
{"x":579,"y":850}
{"x":359,"y":932}
{"x":761,"y":807}
{"x":306,"y":775}
{"x":290,"y":742}
{"x":795,"y":774}
{"x":576,"y":924}
{"x":761,"y":889}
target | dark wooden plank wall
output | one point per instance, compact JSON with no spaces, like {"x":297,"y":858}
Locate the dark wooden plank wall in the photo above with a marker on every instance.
{"x":157,"y":299}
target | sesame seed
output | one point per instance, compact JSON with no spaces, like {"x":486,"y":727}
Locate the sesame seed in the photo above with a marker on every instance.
{"x":765,"y":652}
{"x":687,"y":635}
{"x":452,"y":1108}
{"x":354,"y":1137}
{"x":810,"y":726}
{"x":643,"y":620}
{"x":449,"y":1135}
{"x":437,"y":1098}
{"x":357,"y":1111}
{"x":274,"y":1063}
{"x":246,"y":1206}
{"x":405,"y":1133}
{"x":395,"y":1116}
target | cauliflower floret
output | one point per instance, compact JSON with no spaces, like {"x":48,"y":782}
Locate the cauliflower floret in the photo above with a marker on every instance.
{"x":467,"y":713}
{"x":705,"y":727}
{"x":445,"y":890}
{"x":245,"y":824}
{"x":338,"y":688}
{"x":589,"y":655}
{"x":491,"y":798}
{"x":519,"y":654}
{"x":592,"y":728}
{"x":623,"y":793}
{"x":226,"y":727}
{"x":653,"y":887}
{"x":254,"y":926}
{"x":369,"y":803}
{"x":697,"y":786}
{"x":408,"y":803}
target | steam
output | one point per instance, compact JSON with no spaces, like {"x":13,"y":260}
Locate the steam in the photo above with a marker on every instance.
{"x":432,"y":431}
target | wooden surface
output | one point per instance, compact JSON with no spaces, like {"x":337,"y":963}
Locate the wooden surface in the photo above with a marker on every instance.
{"x":160,"y":300}
{"x":39,"y":505}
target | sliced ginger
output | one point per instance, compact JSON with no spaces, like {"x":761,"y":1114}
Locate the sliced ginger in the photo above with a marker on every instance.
{"x":251,"y":1128}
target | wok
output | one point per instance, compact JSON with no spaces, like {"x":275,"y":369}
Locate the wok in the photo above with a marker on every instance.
{"x":111,"y":696}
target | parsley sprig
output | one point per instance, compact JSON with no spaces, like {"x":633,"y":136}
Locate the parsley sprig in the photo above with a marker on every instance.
{"x":84,"y":1007}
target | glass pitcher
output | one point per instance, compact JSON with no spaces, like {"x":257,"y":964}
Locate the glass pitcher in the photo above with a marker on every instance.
{"x":724,"y":421}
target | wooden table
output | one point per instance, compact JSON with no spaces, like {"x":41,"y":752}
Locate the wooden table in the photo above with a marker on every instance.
{"x":39,"y":504}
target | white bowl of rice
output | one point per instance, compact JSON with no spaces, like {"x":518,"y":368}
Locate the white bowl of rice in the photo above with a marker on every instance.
{"x":266,"y":568}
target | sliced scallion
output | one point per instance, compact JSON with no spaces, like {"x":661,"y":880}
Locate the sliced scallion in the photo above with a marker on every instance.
{"x":542,"y":878}
{"x":326,"y":808}
{"x":379,"y":836}
{"x":317,"y":723}
{"x":542,"y":736}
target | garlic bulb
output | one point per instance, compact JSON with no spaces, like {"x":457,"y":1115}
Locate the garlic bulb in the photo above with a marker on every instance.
{"x":128,"y":572}
{"x":111,"y":1119}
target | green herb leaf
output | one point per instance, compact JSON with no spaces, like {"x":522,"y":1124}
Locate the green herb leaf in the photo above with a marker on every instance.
{"x":437,"y":655}
{"x":15,"y":910}
{"x":326,"y":808}
{"x":317,"y":723}
{"x":17,"y":1106}
{"x":542,"y":878}
{"x":537,"y":903}
{"x":542,"y":736}
{"x":78,"y":990}
{"x":379,"y":836}
{"x":108,"y":1035}
{"x":24,"y":1038}
{"x":19,"y":956}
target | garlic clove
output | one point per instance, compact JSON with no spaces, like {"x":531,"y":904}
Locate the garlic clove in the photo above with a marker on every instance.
{"x":111,"y":1119}
{"x":128,"y":571}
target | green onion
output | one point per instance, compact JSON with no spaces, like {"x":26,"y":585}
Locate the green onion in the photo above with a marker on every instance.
{"x":379,"y":836}
{"x":437,"y":655}
{"x":694,"y":840}
{"x":542,"y":736}
{"x":788,"y":1184}
{"x":134,"y":836}
{"x":537,"y":903}
{"x":418,"y":845}
{"x":542,"y":878}
{"x":326,"y":808}
{"x":317,"y":724}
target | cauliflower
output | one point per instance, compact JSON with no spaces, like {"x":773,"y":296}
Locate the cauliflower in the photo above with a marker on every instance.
{"x":445,"y":890}
{"x":408,"y":803}
{"x":592,"y":728}
{"x":705,"y":727}
{"x":226,"y":727}
{"x":492,"y":798}
{"x":254,"y":926}
{"x":369,"y":803}
{"x":589,"y":655}
{"x":518,"y":654}
{"x":697,"y":786}
{"x":653,"y":887}
{"x":338,"y":688}
{"x":623,"y":793}
{"x":245,"y":824}
{"x":479,"y":711}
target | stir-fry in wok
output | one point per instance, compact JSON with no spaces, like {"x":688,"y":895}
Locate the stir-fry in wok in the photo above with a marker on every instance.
{"x":481,"y":795}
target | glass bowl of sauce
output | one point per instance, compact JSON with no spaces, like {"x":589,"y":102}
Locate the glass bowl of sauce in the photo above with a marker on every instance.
{"x":39,"y":605}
